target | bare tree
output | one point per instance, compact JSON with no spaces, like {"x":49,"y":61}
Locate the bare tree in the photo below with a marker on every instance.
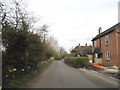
{"x":14,"y":14}
{"x":54,"y":43}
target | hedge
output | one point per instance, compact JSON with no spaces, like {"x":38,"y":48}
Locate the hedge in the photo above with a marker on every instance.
{"x":76,"y":62}
{"x":20,"y":79}
{"x":58,"y":56}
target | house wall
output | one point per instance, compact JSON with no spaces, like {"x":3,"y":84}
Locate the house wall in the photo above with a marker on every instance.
{"x":97,"y":45}
{"x":89,"y":56}
{"x":118,"y":46}
{"x":113,"y":48}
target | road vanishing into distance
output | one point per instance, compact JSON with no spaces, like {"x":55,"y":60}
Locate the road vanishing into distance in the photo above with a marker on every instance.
{"x":60,"y":75}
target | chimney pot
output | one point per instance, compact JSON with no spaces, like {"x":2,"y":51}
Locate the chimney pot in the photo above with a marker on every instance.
{"x":100,"y":30}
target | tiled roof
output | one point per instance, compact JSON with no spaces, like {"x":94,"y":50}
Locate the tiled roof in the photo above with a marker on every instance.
{"x":77,"y":48}
{"x":84,"y":49}
{"x":113,"y":28}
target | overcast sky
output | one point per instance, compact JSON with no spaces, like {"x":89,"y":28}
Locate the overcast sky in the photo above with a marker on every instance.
{"x":75,"y":21}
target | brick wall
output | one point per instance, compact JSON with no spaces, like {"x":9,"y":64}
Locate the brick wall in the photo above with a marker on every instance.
{"x":118,"y":36}
{"x":113,"y":48}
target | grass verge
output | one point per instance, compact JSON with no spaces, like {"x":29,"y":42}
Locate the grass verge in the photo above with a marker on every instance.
{"x":18,"y":82}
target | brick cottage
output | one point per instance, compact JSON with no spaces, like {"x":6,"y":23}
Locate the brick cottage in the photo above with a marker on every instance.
{"x":106,"y":46}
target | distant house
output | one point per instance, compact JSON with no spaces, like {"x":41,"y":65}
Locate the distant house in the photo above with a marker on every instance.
{"x":82,"y":51}
{"x":106,"y":46}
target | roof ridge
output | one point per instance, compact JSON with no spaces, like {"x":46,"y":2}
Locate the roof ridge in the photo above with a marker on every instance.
{"x":107,"y":31}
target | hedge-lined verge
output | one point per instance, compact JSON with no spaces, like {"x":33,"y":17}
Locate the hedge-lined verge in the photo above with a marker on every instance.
{"x":13,"y":80}
{"x":76,"y":62}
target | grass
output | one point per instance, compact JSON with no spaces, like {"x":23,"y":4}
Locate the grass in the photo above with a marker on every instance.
{"x":18,"y":82}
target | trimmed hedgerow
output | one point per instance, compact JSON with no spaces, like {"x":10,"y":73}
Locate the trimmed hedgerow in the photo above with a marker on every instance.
{"x":76,"y":62}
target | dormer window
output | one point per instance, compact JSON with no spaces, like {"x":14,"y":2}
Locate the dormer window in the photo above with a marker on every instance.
{"x":106,"y":40}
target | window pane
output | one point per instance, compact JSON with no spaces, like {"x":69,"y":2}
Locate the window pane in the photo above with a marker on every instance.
{"x":106,"y":40}
{"x":107,"y":56}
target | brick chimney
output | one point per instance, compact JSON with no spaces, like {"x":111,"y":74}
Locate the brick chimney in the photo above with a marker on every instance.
{"x":100,"y":30}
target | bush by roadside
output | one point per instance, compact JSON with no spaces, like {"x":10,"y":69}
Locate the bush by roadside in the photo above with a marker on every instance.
{"x":76,"y":62}
{"x":14,"y":80}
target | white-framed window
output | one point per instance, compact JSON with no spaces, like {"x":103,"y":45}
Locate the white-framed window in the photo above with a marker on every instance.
{"x":106,"y":40}
{"x":107,"y":55}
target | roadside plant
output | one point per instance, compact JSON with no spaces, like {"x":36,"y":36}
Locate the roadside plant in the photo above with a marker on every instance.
{"x":76,"y":62}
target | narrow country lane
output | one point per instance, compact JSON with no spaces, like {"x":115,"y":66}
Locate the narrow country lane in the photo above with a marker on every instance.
{"x":60,"y":75}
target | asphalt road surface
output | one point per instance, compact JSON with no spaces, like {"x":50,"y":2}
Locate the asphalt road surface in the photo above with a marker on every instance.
{"x":60,"y":75}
